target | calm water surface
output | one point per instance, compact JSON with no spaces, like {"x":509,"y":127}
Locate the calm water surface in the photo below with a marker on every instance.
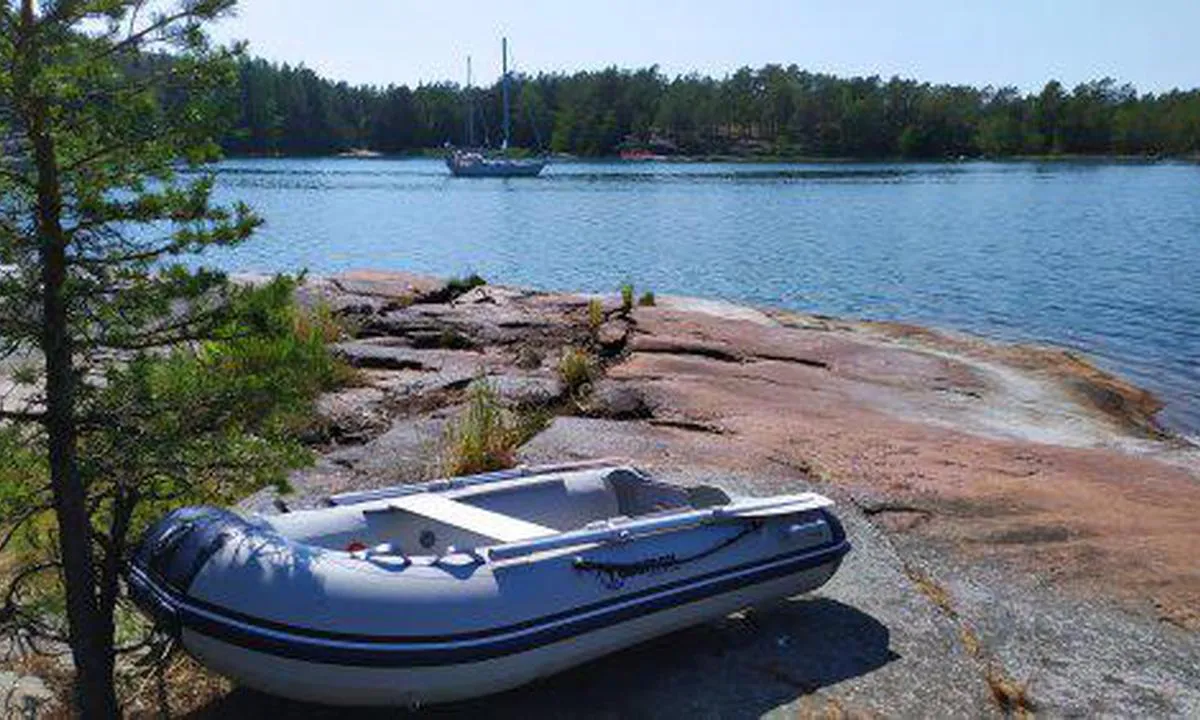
{"x":1104,"y":258}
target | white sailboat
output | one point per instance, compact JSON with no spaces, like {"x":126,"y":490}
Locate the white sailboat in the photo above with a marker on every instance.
{"x":474,"y":163}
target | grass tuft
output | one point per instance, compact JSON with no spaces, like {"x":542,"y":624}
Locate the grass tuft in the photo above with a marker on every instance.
{"x":451,"y":339}
{"x":575,"y":369}
{"x":646,"y":300}
{"x":626,"y":298}
{"x":595,"y":315}
{"x":26,"y":374}
{"x":318,"y":322}
{"x":528,"y":358}
{"x":486,"y":436}
{"x":460,"y":285}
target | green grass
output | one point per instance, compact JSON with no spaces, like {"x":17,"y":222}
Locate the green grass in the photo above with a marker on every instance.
{"x":626,"y":298}
{"x":451,"y":339}
{"x":486,"y":435}
{"x":575,"y":369}
{"x":460,"y":285}
{"x":595,"y":314}
{"x":646,"y":300}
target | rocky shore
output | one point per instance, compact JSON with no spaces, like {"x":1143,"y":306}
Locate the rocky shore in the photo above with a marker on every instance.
{"x":1024,"y":534}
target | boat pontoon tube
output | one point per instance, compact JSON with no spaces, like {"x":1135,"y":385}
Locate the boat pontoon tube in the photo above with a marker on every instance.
{"x":469,"y":586}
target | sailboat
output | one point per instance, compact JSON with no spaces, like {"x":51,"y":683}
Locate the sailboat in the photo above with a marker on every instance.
{"x":474,"y":163}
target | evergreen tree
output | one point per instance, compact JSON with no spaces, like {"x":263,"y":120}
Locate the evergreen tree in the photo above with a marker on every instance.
{"x":771,"y":110}
{"x":147,"y":381}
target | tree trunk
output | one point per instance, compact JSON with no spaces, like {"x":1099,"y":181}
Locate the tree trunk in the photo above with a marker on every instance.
{"x":91,"y":647}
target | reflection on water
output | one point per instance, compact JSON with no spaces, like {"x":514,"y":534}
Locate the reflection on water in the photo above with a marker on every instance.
{"x":1097,"y":256}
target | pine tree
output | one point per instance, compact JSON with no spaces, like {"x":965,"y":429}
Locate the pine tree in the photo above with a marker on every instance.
{"x":107,"y":113}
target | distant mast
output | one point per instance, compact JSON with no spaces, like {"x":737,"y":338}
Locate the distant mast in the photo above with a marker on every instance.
{"x":470,"y":108}
{"x":504,"y":71}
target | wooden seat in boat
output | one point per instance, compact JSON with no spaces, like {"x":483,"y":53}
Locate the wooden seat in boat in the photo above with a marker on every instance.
{"x":486,"y":523}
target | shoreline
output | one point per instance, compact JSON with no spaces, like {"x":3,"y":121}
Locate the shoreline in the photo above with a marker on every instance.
{"x":438,"y":153}
{"x":993,"y":492}
{"x":1107,"y":388}
{"x":1127,"y":406}
{"x":1131,"y":408}
{"x":1109,"y":393}
{"x":1127,"y":409}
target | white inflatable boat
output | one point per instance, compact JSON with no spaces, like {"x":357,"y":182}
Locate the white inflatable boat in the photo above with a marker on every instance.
{"x":469,"y":586}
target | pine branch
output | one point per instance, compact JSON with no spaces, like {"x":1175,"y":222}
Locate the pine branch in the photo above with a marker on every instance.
{"x":132,"y":40}
{"x":24,"y":517}
{"x":125,"y":144}
{"x":18,"y":178}
{"x":132,"y":257}
{"x":22,"y":416}
{"x":62,"y":12}
{"x":9,"y":608}
{"x":187,"y":331}
{"x":158,"y":79}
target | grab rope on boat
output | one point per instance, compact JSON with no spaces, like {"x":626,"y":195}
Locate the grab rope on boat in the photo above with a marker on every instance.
{"x":613,"y":575}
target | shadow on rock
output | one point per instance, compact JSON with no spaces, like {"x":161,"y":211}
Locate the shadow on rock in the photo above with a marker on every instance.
{"x":738,"y":667}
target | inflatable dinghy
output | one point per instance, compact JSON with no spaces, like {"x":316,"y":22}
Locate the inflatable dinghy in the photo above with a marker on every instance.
{"x":468,"y":586}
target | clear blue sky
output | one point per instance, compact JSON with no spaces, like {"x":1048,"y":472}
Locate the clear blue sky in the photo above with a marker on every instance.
{"x":1152,"y":43}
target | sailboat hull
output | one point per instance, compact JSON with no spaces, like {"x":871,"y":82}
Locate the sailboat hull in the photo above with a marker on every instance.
{"x":466,"y":165}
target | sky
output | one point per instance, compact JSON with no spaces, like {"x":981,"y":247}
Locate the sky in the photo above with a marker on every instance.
{"x":1024,"y":43}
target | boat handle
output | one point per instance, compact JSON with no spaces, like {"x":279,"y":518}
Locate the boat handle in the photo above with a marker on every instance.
{"x":474,"y":555}
{"x":798,"y":528}
{"x":384,"y":550}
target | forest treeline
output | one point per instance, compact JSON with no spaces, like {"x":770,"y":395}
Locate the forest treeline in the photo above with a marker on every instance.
{"x":774,"y":110}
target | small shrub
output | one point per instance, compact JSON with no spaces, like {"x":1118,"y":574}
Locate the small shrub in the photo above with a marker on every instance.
{"x":595,"y":314}
{"x":459,"y":285}
{"x":647,"y":299}
{"x":318,"y":321}
{"x":626,"y":298}
{"x":316,"y":327}
{"x":529,"y":358}
{"x":451,"y":339}
{"x":486,"y":436}
{"x":575,"y":369}
{"x":26,"y":374}
{"x":281,"y":348}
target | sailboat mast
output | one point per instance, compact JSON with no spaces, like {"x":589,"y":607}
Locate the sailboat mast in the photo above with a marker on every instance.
{"x":504,"y":70}
{"x":470,"y":108}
